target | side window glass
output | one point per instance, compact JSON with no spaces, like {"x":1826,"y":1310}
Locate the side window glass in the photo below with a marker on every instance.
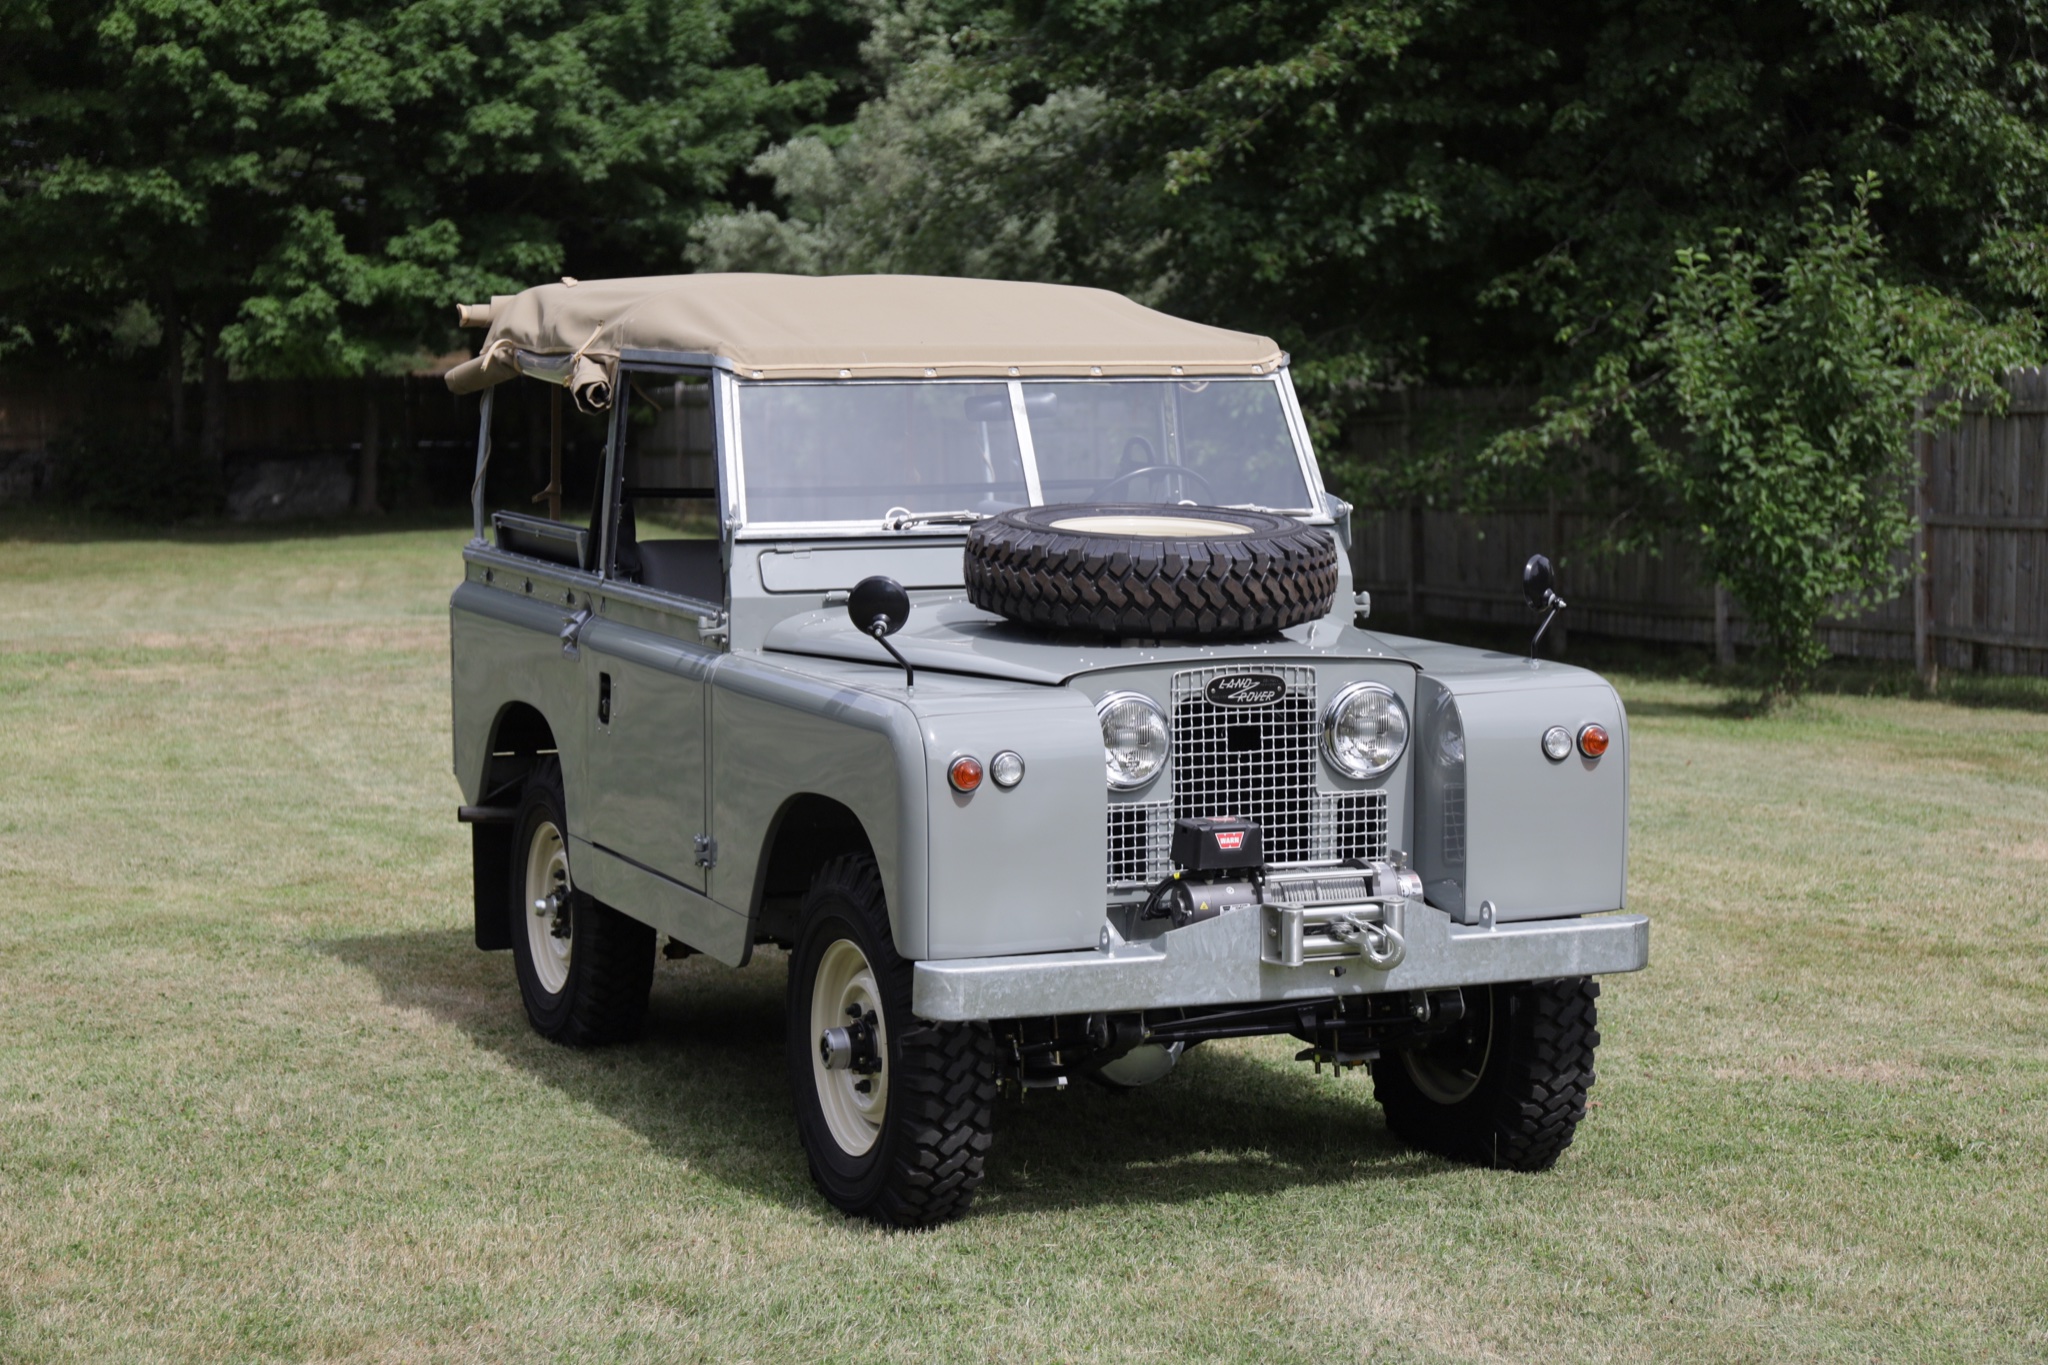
{"x":547,"y":468}
{"x":666,"y":534}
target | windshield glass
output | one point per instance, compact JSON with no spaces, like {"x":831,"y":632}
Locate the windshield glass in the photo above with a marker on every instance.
{"x":1223,"y":442}
{"x":858,"y":451}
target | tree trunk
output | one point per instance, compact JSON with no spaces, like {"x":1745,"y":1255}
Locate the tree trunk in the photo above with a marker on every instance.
{"x":408,"y":447}
{"x":213,"y":420}
{"x":174,"y":369}
{"x":1724,"y":631}
{"x":366,"y":463}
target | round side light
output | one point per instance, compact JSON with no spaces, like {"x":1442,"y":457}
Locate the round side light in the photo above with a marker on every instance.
{"x":1593,"y":740}
{"x":965,"y":773}
{"x":1007,"y":768}
{"x":1557,"y":744}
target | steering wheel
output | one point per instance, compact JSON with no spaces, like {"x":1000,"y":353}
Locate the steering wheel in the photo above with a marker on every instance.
{"x":1208,"y":489}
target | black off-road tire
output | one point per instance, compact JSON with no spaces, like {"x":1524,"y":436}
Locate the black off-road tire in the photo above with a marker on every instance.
{"x":1532,"y":1046}
{"x":927,"y":1158}
{"x":1277,"y":573}
{"x":611,"y":956}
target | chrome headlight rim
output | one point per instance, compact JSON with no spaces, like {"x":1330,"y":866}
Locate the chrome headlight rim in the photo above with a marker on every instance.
{"x":1130,"y":784}
{"x":1343,"y":699}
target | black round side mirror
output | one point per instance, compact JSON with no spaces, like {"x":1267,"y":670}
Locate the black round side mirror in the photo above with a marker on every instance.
{"x":1539,"y":581}
{"x":878,"y":606}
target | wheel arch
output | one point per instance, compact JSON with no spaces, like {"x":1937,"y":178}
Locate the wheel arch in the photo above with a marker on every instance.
{"x":807,"y":831}
{"x":519,"y":736}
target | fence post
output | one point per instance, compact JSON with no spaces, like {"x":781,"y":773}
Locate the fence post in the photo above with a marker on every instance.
{"x":366,"y":465}
{"x":1724,"y":633}
{"x":1923,"y":564}
{"x":1415,"y":549}
{"x":1560,"y":641}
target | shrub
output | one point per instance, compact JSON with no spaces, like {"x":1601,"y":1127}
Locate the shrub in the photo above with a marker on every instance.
{"x":121,"y":467}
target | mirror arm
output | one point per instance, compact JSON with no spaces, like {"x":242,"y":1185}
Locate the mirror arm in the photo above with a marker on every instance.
{"x":880,"y":630}
{"x":1555,"y":604}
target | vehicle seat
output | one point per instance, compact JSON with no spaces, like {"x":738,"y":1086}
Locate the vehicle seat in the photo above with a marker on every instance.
{"x":626,"y":557}
{"x":687,"y":568}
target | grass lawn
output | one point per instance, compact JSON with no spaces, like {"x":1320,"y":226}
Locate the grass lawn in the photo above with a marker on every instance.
{"x":260,"y":1098}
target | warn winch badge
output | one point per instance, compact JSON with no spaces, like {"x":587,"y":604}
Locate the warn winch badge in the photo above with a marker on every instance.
{"x":1246,"y":689}
{"x":1230,"y":840}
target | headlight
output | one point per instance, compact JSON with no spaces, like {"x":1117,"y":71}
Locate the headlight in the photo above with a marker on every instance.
{"x":1135,"y":739}
{"x":1365,"y":731}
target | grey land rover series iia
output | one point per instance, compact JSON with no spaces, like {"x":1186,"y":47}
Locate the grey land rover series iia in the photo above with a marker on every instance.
{"x":990,"y":648}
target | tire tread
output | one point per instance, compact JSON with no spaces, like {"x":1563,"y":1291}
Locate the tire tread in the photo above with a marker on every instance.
{"x":942,"y":1093}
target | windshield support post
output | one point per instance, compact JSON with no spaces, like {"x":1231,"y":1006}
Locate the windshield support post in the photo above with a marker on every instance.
{"x":483,"y":460}
{"x":1026,"y":452}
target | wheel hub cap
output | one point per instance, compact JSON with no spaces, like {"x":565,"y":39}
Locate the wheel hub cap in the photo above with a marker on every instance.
{"x":849,"y":1066}
{"x":550,"y":928}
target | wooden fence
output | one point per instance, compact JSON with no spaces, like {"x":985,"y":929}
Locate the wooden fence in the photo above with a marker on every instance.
{"x":1979,"y":602}
{"x":425,"y":436}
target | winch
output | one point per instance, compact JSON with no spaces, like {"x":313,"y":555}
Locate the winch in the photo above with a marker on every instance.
{"x":1354,"y":909}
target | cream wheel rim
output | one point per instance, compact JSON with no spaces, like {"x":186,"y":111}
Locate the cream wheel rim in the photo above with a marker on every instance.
{"x":843,"y":991}
{"x":548,"y":922}
{"x":1143,"y":524}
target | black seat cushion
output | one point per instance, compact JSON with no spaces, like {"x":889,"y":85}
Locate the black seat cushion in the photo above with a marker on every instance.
{"x":687,"y":568}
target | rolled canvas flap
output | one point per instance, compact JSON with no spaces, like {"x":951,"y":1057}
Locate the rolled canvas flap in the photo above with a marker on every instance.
{"x":481,"y":372}
{"x":590,"y":383}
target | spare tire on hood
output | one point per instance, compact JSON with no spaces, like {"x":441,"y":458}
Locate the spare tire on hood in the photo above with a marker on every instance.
{"x":1188,"y":573}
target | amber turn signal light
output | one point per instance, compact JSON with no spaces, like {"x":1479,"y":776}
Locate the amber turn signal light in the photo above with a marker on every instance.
{"x":965,"y":774}
{"x":1593,"y":741}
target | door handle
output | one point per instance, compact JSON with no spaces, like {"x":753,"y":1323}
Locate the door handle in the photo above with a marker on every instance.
{"x":572,"y":631}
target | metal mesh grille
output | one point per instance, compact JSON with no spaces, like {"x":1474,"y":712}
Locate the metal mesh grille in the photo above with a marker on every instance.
{"x":1351,"y":825}
{"x":1454,"y":825}
{"x":1253,"y":762}
{"x":1140,"y":839}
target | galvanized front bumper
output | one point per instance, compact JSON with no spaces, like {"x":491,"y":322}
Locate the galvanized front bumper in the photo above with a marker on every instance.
{"x":1219,"y":962}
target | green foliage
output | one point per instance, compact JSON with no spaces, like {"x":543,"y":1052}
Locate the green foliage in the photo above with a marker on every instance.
{"x":305,"y":187}
{"x":1795,"y":379}
{"x":1490,"y":192}
{"x":942,"y":173}
{"x":1477,"y":192}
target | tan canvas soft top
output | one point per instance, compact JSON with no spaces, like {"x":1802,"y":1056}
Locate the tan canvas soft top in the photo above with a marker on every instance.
{"x":843,"y":327}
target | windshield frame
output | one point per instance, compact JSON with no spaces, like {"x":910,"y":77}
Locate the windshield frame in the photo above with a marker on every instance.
{"x":732,"y":434}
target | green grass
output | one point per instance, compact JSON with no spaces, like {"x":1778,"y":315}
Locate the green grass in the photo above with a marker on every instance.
{"x":260,"y":1099}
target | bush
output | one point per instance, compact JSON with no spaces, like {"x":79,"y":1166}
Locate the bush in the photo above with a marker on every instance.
{"x":124,"y":468}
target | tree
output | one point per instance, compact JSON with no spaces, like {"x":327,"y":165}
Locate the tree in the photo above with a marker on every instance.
{"x":302,"y":188}
{"x":1793,"y":381}
{"x":942,"y":174}
{"x":1482,"y":192}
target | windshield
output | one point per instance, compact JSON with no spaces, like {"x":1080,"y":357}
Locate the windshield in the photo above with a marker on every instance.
{"x":856,"y":452}
{"x":860,"y":451}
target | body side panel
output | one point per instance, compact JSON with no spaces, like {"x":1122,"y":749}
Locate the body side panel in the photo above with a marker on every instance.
{"x":777,"y":733}
{"x":505,"y":647}
{"x":662,"y":902}
{"x":1022,"y":870}
{"x":646,"y":761}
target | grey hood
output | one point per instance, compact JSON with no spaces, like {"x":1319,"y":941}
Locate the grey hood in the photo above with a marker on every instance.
{"x":954,"y":637}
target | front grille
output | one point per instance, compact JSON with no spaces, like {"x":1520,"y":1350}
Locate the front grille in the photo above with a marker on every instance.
{"x":1140,"y":838}
{"x":1251,"y":762}
{"x":1351,"y":825}
{"x":1255,"y":763}
{"x":1454,"y":826}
